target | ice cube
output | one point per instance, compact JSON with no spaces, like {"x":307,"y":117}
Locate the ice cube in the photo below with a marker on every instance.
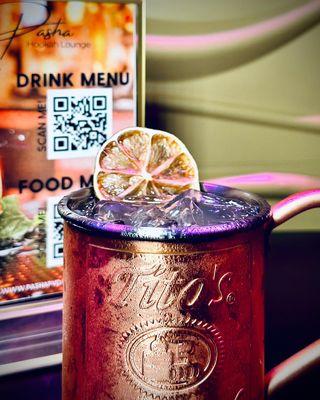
{"x":152,"y":216}
{"x":83,"y":202}
{"x":113,"y":211}
{"x":190,"y":208}
{"x":184,"y":209}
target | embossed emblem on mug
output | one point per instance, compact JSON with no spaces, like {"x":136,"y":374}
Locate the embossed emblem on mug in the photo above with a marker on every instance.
{"x":171,"y":356}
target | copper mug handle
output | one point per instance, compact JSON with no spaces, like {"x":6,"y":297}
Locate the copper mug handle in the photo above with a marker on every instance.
{"x":305,"y":359}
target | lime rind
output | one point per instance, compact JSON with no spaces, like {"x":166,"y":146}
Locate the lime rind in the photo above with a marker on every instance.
{"x":143,"y":162}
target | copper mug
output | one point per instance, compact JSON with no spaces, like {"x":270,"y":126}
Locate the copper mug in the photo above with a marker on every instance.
{"x":153,"y":316}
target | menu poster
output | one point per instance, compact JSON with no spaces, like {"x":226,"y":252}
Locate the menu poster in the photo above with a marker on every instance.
{"x":68,"y":79}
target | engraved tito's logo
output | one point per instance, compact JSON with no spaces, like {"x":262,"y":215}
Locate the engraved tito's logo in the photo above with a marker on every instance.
{"x":160,"y":287}
{"x":176,"y":357}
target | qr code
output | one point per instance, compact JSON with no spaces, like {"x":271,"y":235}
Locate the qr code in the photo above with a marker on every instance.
{"x":54,"y":241}
{"x":79,"y":121}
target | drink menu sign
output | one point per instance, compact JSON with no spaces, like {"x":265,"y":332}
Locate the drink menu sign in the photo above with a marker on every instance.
{"x":68,"y":81}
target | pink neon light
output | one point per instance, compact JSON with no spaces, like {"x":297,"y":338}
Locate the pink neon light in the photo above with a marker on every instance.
{"x":276,"y":179}
{"x":312,"y":119}
{"x":168,"y":42}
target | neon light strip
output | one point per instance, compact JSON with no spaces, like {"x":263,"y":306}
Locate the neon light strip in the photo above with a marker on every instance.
{"x":168,"y":42}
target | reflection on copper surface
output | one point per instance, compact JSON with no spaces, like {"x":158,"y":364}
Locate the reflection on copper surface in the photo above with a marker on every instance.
{"x":157,"y":320}
{"x":295,"y":204}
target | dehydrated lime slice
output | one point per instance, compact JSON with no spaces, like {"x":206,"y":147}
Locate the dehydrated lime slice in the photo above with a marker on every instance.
{"x":144,"y":162}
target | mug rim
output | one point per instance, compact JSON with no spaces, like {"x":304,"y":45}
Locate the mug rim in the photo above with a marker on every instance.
{"x":185,"y":234}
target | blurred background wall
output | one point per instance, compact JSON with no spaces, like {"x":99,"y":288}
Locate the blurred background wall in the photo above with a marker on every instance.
{"x":238,"y":82}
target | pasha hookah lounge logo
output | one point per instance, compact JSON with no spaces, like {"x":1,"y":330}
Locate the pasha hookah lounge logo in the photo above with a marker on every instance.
{"x":50,"y":35}
{"x":170,"y":355}
{"x":35,"y":19}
